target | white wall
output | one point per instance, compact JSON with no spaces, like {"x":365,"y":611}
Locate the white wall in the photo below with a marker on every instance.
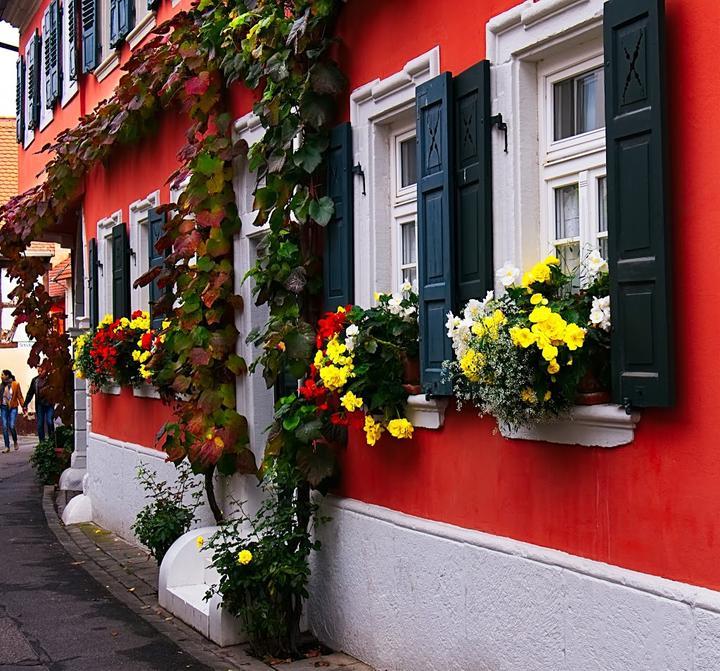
{"x":406,"y":594}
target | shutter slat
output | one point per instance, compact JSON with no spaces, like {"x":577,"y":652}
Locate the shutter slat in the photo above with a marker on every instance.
{"x":638,"y":224}
{"x":71,"y":9}
{"x":156,"y":224}
{"x":90,"y":35}
{"x":120,"y":271}
{"x":122,"y":19}
{"x":20,"y":100}
{"x":435,"y":238}
{"x":338,"y":287}
{"x":51,"y":49}
{"x":93,"y":285}
{"x":473,"y":183}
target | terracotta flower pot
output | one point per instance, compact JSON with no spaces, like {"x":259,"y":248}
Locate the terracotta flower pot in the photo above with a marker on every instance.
{"x":411,"y":375}
{"x":592,"y":390}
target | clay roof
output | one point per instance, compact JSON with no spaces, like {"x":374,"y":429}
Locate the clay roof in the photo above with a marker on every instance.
{"x":59,"y":273}
{"x":8,"y":159}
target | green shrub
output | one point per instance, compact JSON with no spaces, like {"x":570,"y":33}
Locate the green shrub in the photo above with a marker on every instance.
{"x":167,"y":517}
{"x":52,"y":455}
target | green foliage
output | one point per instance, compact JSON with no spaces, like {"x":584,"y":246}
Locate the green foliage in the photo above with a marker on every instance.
{"x":169,"y":514}
{"x":52,"y":455}
{"x":263,"y":564}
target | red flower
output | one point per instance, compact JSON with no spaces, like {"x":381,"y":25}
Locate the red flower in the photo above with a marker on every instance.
{"x":136,"y":315}
{"x":339,"y":419}
{"x":146,"y":340}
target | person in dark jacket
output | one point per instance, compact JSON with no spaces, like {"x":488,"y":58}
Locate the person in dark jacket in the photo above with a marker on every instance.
{"x":44,"y":410}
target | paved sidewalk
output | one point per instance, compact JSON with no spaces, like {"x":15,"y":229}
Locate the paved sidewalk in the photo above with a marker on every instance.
{"x":131,"y":576}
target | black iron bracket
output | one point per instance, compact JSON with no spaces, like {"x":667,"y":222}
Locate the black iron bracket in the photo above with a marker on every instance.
{"x":358,"y":170}
{"x":498,"y":122}
{"x":627,"y":406}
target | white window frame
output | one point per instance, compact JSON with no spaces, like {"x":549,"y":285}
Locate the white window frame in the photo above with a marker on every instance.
{"x":403,"y":205}
{"x":140,"y":245}
{"x":579,"y":159}
{"x":109,"y":57}
{"x":145,"y":22}
{"x":69,"y":87}
{"x":29,"y":132}
{"x":376,"y":110}
{"x":104,"y":250}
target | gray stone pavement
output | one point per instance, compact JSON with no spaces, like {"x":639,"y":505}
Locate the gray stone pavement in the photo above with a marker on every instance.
{"x":85,"y":599}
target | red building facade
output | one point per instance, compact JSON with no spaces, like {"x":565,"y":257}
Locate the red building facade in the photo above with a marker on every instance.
{"x":539,"y":550}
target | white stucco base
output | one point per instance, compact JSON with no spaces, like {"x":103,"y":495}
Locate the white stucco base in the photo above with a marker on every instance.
{"x":403,"y":593}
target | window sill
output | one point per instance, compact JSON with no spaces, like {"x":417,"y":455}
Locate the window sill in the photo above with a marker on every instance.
{"x":146,"y":391}
{"x":112,"y":389}
{"x":141,"y":30}
{"x":588,"y":425}
{"x":107,"y":66}
{"x":425,"y":413}
{"x":69,"y":95}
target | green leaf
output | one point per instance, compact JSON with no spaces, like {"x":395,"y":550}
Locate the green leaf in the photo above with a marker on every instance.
{"x":316,"y":462}
{"x":322,"y":210}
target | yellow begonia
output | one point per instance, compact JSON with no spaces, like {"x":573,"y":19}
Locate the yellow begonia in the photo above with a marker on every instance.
{"x":335,"y":377}
{"x":106,"y":320}
{"x":199,"y":541}
{"x":478,"y":329}
{"x":244,"y":557}
{"x":373,"y":430}
{"x":319,"y":358}
{"x":528,"y":395}
{"x":400,"y":428}
{"x":165,"y":324}
{"x":471,"y":364}
{"x":549,"y":352}
{"x":548,"y":395}
{"x":536,"y":299}
{"x":146,"y":373}
{"x":336,"y":352}
{"x":522,"y":337}
{"x":552,"y":261}
{"x":574,"y":336}
{"x":552,"y":328}
{"x":541,"y":272}
{"x":553,"y":367}
{"x":351,"y":402}
{"x":540,"y":314}
{"x":527,"y":280}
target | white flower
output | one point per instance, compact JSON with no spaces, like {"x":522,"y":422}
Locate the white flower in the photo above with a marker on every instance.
{"x":473,"y":309}
{"x":394,"y":304}
{"x":596,"y":263}
{"x":409,"y":313}
{"x":452,"y":324}
{"x":352,"y":330}
{"x":489,"y":297}
{"x":406,"y":287}
{"x":350,"y":344}
{"x":508,"y":274}
{"x":600,"y":313}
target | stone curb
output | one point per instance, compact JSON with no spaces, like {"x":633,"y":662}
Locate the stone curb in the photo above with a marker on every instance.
{"x":141,"y":596}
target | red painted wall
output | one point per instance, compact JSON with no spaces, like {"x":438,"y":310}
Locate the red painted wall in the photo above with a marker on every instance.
{"x":654,"y":505}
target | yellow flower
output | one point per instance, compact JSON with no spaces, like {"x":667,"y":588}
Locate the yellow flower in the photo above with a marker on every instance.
{"x":553,"y":367}
{"x":199,"y":541}
{"x":106,"y":320}
{"x":335,"y":377}
{"x":145,"y":372}
{"x":376,"y":296}
{"x":552,"y":261}
{"x":165,"y":324}
{"x":373,"y":430}
{"x":341,"y":309}
{"x":336,"y":350}
{"x":281,"y":346}
{"x":400,"y":428}
{"x":351,"y":402}
{"x":536,"y":299}
{"x":548,"y":395}
{"x":549,"y":352}
{"x":574,"y":336}
{"x":552,"y":328}
{"x":540,"y":314}
{"x":244,"y":557}
{"x":124,"y":322}
{"x":319,"y":358}
{"x":540,"y":272}
{"x":471,"y":364}
{"x":478,"y":329}
{"x":522,"y":337}
{"x":528,"y":395}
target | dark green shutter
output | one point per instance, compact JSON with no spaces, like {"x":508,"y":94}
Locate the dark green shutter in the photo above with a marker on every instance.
{"x":120,"y":272}
{"x":435,"y":216}
{"x":51,"y":48}
{"x":90,"y":34}
{"x":20,"y":100}
{"x":34,"y":60}
{"x":93,"y":285}
{"x":152,"y":4}
{"x":473,"y":268}
{"x":71,"y":9}
{"x":338,"y":257}
{"x":156,"y":223}
{"x":122,"y":19}
{"x":638,"y":216}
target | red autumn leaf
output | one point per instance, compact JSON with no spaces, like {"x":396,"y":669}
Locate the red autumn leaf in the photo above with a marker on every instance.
{"x":198,"y":86}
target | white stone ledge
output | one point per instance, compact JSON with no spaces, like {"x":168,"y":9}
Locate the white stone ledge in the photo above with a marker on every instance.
{"x":111,"y":61}
{"x":146,"y":391}
{"x":603,"y":425}
{"x":141,"y":30}
{"x":425,"y":413}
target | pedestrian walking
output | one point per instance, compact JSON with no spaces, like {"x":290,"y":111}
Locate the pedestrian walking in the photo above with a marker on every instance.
{"x":11,"y":399}
{"x":44,"y":409}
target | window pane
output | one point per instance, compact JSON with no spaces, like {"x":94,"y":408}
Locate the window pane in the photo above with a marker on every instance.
{"x":410,"y":275}
{"x":603,"y":247}
{"x":569,"y":256}
{"x":409,"y":253}
{"x":602,"y":204}
{"x":564,"y":109}
{"x":408,"y":162}
{"x":590,"y":101}
{"x":567,"y":212}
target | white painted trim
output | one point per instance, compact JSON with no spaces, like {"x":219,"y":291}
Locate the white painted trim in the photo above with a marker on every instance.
{"x":686,"y":593}
{"x":426,"y":413}
{"x":142,"y":29}
{"x":131,"y":447}
{"x":69,"y":87}
{"x":111,"y":389}
{"x":517,"y":40}
{"x":602,"y":425}
{"x":146,"y":391}
{"x":46,"y":115}
{"x":140,"y":244}
{"x":373,"y":107}
{"x":109,"y":63}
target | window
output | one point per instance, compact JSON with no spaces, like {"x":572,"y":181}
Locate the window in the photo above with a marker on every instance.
{"x":69,"y":51}
{"x":572,"y":171}
{"x":46,"y":113}
{"x":105,"y":263}
{"x":141,"y":246}
{"x":403,"y":158}
{"x":32,"y":88}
